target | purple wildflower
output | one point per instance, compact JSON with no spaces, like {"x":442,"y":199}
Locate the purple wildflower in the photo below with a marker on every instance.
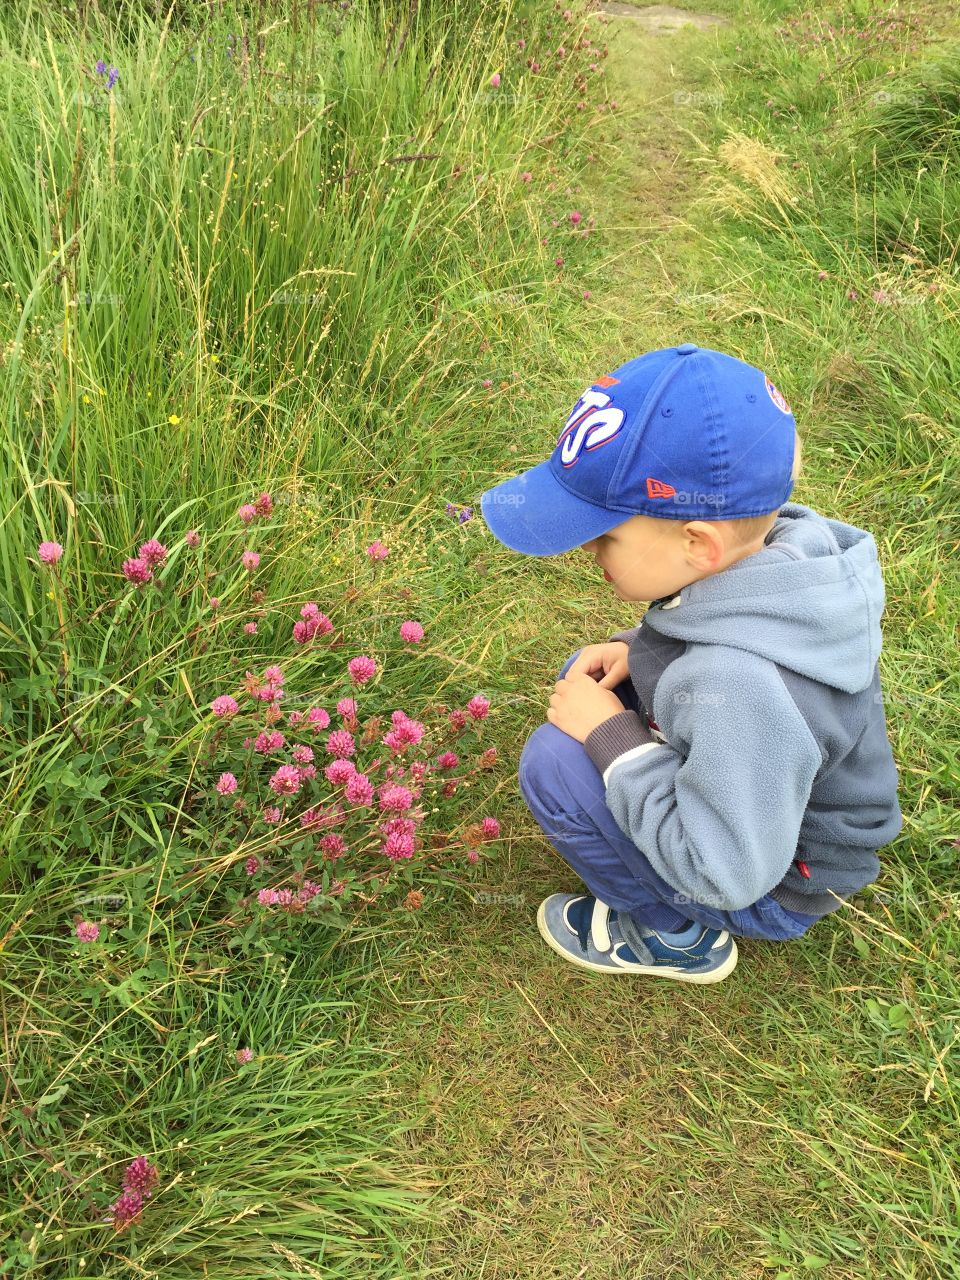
{"x":140,"y":1175}
{"x":126,"y":1209}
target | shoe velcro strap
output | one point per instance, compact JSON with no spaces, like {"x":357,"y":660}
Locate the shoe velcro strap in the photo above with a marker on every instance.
{"x":598,"y":926}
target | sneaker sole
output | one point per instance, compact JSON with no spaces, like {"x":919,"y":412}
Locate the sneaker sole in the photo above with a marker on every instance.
{"x":658,"y":971}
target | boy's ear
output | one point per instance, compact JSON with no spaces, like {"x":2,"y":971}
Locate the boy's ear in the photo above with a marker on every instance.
{"x":703,"y":543}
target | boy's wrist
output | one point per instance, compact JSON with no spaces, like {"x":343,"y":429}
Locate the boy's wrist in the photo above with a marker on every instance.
{"x":616,"y":735}
{"x":623,"y":637}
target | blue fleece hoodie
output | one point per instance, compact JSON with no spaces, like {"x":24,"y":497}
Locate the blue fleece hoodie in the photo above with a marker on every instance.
{"x":759,"y":762}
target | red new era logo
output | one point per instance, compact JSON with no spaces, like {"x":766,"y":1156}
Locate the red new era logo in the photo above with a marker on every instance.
{"x":657,"y":489}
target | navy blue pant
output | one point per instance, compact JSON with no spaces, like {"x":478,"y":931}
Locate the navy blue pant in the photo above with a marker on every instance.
{"x":564,"y":791}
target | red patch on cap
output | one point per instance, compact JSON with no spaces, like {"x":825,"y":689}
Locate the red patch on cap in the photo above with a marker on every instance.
{"x":606,"y":381}
{"x":658,"y":489}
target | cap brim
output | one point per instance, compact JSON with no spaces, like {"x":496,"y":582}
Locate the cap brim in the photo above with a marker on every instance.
{"x":535,"y":515}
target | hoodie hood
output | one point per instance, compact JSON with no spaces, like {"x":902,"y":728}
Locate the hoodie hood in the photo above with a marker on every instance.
{"x":810,"y":600}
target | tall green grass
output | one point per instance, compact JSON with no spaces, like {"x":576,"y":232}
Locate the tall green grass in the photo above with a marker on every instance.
{"x":268,"y":1168}
{"x":272,"y":256}
{"x":223,"y":277}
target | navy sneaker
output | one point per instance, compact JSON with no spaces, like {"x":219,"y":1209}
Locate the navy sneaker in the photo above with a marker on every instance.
{"x":592,"y":935}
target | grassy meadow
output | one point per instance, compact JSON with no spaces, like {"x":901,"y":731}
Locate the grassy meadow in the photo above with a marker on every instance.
{"x":248,"y":251}
{"x":284,"y":288}
{"x":802,"y":1116}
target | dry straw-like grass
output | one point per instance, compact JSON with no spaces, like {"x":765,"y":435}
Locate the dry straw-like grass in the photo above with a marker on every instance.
{"x":756,"y":183}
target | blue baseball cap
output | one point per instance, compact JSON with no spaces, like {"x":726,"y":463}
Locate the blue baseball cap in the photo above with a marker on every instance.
{"x":683,"y":433}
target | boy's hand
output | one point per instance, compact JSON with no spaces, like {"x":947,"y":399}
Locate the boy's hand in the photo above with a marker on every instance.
{"x":579,"y":704}
{"x":609,"y":658}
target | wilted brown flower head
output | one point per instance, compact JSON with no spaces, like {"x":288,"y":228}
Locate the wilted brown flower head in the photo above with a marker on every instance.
{"x":371,"y":730}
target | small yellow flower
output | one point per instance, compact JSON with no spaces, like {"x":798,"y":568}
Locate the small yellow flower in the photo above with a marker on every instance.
{"x":173,"y":418}
{"x":214,"y":359}
{"x":51,"y":595}
{"x":86,"y":399}
{"x":149,"y":394}
{"x":102,"y":390}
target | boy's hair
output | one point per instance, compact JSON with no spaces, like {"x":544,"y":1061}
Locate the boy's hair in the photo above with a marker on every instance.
{"x":749,"y":528}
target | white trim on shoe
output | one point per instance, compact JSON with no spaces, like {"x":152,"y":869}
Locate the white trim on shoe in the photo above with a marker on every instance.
{"x":598,"y":926}
{"x":598,"y":922}
{"x":626,"y":966}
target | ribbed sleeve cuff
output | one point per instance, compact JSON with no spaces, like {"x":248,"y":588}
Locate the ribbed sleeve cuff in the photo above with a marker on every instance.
{"x":621,"y":732}
{"x":626,"y":636}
